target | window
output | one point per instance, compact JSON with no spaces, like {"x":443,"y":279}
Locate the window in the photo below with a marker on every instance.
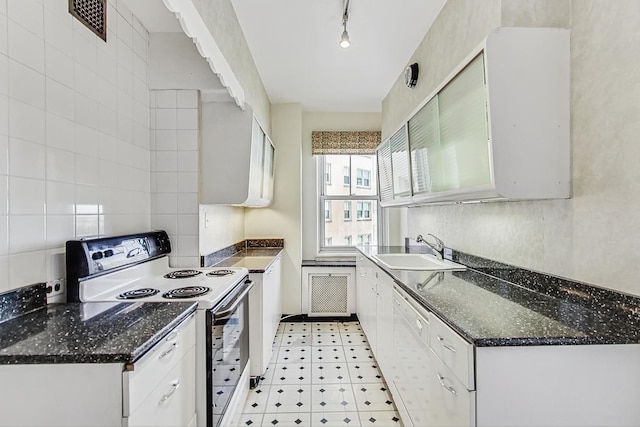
{"x":364,"y":239}
{"x":347,"y":211}
{"x":357,"y":191}
{"x":327,"y":173}
{"x":363,"y":211}
{"x":363,"y":178}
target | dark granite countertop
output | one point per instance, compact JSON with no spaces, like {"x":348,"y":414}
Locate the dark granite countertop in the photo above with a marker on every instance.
{"x":535,"y":309}
{"x":88,"y":332}
{"x":256,"y":260}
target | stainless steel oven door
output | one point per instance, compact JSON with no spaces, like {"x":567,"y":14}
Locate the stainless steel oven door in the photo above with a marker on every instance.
{"x":227,"y":350}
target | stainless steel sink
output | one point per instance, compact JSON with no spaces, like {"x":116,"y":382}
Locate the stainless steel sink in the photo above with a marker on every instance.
{"x":420,"y":262}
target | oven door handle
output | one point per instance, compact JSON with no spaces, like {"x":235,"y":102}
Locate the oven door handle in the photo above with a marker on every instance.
{"x":227,"y":310}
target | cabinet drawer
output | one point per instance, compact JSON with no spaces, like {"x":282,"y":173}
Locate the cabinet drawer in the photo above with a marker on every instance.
{"x":153,"y":366}
{"x":453,"y":350}
{"x":450,"y":403}
{"x":416,"y":321}
{"x":172,"y":401}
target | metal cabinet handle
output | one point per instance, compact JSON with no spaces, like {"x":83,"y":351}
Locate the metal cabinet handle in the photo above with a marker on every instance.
{"x":418,"y":323}
{"x":165,"y":353}
{"x":448,"y":347}
{"x":174,"y":387}
{"x":446,"y":387}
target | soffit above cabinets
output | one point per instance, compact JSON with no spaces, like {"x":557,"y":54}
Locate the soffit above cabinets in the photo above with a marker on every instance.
{"x":181,"y":16}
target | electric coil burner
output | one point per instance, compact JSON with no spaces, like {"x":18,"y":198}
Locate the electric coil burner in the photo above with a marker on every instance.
{"x":186,"y":292}
{"x":182,"y":274}
{"x":138,"y":293}
{"x":217,"y":273}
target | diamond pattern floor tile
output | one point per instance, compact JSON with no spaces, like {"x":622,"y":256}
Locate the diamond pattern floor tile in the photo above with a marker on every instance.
{"x":321,"y":374}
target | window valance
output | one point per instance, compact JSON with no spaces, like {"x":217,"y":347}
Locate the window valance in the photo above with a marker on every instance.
{"x":345,"y":142}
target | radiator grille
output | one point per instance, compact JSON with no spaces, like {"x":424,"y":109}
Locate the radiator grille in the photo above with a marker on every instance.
{"x":329,"y":294}
{"x":92,"y":13}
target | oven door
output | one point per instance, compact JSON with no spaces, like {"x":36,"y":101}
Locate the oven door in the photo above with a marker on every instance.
{"x":227,"y":350}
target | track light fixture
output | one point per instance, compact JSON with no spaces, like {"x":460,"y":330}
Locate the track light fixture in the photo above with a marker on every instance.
{"x":344,"y":39}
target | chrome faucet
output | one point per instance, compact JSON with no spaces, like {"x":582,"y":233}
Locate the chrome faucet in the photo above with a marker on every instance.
{"x":438,"y":246}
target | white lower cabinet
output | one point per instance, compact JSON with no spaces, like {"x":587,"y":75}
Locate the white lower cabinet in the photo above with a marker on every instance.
{"x":438,"y":378}
{"x":264,"y":316}
{"x":158,"y":390}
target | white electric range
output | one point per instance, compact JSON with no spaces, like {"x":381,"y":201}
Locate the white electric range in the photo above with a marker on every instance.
{"x":135,"y":268}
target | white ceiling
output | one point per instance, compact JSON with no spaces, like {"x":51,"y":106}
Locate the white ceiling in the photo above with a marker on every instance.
{"x":294,"y":44}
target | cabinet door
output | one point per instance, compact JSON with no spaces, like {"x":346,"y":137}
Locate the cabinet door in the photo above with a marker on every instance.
{"x":385,"y":178}
{"x":424,"y":139}
{"x":399,"y":146}
{"x":268,"y":169}
{"x":257,"y":160}
{"x":464,"y":140}
{"x":450,"y":403}
{"x":384,"y":322}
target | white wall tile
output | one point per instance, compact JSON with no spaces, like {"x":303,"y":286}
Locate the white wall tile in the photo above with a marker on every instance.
{"x":165,"y":182}
{"x":87,"y":200}
{"x":4,"y":235}
{"x":86,"y":170}
{"x":59,"y":8}
{"x":124,"y":78}
{"x":139,"y":68}
{"x":26,"y":196}
{"x":188,"y":118}
{"x":125,"y":128}
{"x":107,"y":93}
{"x":142,"y":136}
{"x":58,"y":31}
{"x":188,"y":245}
{"x":4,"y":154}
{"x":166,"y":161}
{"x":169,"y":223}
{"x":85,"y":51}
{"x":26,"y":121}
{"x":26,"y":84}
{"x":187,"y":99}
{"x":26,"y":47}
{"x":4,"y":195}
{"x":60,"y":228}
{"x":165,"y":99}
{"x":84,"y":81}
{"x":188,"y":161}
{"x":59,"y":65}
{"x":86,"y":140}
{"x":4,"y":115}
{"x":187,"y":139}
{"x":188,"y":203}
{"x":108,"y":201}
{"x":61,"y":166}
{"x":4,"y":274}
{"x":28,"y":13}
{"x":108,"y":147}
{"x":56,"y":265}
{"x":60,"y":132}
{"x":60,"y":99}
{"x":27,"y":233}
{"x":27,"y":268}
{"x":86,"y":111}
{"x":166,"y":119}
{"x":4,"y":74}
{"x":26,"y":159}
{"x":166,"y":139}
{"x":125,"y":103}
{"x":166,"y":203}
{"x":60,"y":198}
{"x":108,"y":67}
{"x":188,"y":225}
{"x":141,"y":94}
{"x":87,"y":226}
{"x":139,"y":45}
{"x":4,"y":42}
{"x":188,"y":182}
{"x":107,"y":120}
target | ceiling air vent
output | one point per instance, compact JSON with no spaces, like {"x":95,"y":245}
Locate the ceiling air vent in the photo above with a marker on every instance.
{"x":92,"y":13}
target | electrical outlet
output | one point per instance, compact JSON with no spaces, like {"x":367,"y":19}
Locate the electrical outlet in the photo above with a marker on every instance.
{"x":55,"y":290}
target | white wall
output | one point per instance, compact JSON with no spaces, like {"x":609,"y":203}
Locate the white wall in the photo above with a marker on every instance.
{"x":594,"y":236}
{"x":322,"y":121}
{"x":282,"y":219}
{"x":174,"y":172}
{"x":74,"y":134}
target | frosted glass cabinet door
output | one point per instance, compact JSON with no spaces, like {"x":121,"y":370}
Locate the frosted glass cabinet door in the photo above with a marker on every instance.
{"x":385,"y":179}
{"x":257,"y":157}
{"x":424,"y":138}
{"x":464,"y":143}
{"x":400,"y":163}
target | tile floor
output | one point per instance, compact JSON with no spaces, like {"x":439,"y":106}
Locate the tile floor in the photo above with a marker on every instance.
{"x":321,"y":374}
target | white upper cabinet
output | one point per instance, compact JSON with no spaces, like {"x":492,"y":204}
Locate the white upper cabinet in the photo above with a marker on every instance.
{"x":496,"y":128}
{"x":236,"y":157}
{"x":393,"y":169}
